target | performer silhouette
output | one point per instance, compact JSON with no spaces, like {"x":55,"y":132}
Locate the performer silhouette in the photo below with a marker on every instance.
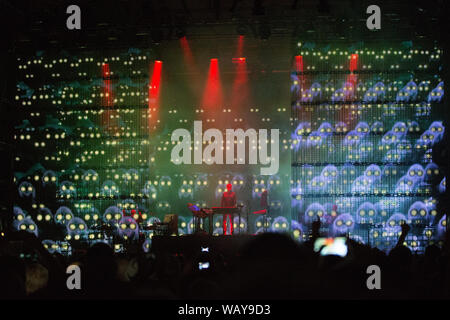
{"x":228,"y":200}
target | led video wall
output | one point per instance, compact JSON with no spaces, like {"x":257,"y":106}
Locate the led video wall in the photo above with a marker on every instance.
{"x":94,"y":146}
{"x":365,"y":120}
{"x":94,"y":143}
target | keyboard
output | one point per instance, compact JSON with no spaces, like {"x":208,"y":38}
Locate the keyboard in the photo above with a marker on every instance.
{"x":226,"y":210}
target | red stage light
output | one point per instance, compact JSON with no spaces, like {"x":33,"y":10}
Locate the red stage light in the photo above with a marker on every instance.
{"x":354,"y":62}
{"x":238,"y":60}
{"x":187,"y":53}
{"x":298,"y":63}
{"x":154,"y":84}
{"x":153,"y":92}
{"x":212,"y":95}
{"x":108,"y":117}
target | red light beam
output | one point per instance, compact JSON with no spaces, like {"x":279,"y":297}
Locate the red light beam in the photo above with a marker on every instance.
{"x":154,"y":93}
{"x":212,"y":95}
{"x":240,"y":90}
{"x":108,"y":117}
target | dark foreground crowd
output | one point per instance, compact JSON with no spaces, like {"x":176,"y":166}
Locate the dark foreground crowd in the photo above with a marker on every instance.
{"x":269,"y":266}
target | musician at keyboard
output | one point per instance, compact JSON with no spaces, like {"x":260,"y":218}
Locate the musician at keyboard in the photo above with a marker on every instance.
{"x":228,"y":200}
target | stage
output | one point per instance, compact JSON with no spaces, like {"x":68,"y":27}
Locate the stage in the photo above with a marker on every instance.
{"x":342,"y":129}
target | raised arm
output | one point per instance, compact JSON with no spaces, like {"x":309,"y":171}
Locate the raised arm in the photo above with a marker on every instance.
{"x":401,"y":239}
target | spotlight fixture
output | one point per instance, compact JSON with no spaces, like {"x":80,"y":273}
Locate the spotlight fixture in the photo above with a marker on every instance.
{"x":238,"y":60}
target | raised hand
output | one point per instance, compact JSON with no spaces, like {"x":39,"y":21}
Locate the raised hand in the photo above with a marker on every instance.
{"x":405,"y":228}
{"x":316,"y":227}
